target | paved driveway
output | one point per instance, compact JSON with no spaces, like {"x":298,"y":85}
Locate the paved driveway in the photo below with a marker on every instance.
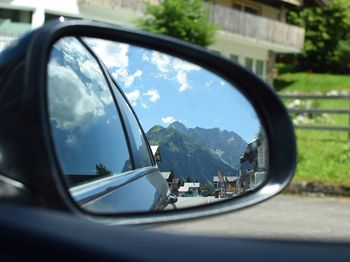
{"x":283,"y":217}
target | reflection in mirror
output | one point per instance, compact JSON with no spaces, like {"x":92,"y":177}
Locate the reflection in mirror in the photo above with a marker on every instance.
{"x":201,"y":140}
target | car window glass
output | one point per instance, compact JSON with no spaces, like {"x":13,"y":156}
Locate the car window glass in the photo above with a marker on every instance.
{"x":141,"y":155}
{"x":87,"y":131}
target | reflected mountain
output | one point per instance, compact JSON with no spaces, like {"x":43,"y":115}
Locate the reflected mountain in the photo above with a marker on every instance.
{"x":197,"y":153}
{"x":228,"y":146}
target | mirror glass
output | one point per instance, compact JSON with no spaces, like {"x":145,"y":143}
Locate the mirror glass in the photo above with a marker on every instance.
{"x":137,"y":130}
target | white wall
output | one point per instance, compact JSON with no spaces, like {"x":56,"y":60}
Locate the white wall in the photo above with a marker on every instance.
{"x":39,"y":7}
{"x":228,"y":44}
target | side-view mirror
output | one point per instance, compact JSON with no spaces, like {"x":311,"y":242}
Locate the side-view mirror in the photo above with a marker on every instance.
{"x":128,"y":127}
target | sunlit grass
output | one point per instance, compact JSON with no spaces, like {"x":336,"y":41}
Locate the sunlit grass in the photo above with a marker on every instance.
{"x":312,"y":82}
{"x":323,"y":156}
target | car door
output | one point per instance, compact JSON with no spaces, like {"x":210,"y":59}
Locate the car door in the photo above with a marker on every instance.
{"x":100,"y":145}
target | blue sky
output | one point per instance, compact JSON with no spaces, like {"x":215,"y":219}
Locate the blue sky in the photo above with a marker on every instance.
{"x":163,"y":89}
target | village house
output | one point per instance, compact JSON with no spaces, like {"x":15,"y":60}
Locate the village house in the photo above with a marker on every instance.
{"x":254,"y":163}
{"x":156,"y":154}
{"x":173,"y":182}
{"x":251,"y":32}
{"x":227,"y":185}
{"x":189,"y":189}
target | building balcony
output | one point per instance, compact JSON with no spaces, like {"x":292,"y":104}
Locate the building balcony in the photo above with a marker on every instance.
{"x":237,"y":23}
{"x":135,"y":7}
{"x":256,"y":27}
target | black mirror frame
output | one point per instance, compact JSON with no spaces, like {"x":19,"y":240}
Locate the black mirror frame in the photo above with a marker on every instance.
{"x":273,"y":115}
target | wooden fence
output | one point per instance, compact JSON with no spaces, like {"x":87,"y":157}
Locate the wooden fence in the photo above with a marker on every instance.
{"x":321,"y":111}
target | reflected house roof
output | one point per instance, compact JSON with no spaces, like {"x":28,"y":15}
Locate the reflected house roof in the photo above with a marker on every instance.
{"x":183,"y":189}
{"x":156,"y":153}
{"x":154,"y":149}
{"x":191,"y":184}
{"x":251,"y":150}
{"x":226,"y":178}
{"x":166,"y":175}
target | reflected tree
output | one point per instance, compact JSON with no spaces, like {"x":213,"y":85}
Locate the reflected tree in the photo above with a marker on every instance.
{"x":102,"y":170}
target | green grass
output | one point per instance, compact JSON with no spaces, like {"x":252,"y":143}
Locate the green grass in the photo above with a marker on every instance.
{"x":311,"y":82}
{"x":323,"y":156}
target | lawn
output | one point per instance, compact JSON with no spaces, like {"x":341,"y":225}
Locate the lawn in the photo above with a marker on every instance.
{"x":323,"y":156}
{"x":312,"y":82}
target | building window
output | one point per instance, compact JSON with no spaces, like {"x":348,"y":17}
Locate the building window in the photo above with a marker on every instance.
{"x":259,"y":68}
{"x":234,"y":57}
{"x":17,"y":16}
{"x":248,"y":63}
{"x":244,"y":8}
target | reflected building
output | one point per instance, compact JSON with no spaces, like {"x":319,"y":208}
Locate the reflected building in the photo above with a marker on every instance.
{"x":189,"y":189}
{"x":173,"y":182}
{"x":225,"y":186}
{"x":253,"y":164}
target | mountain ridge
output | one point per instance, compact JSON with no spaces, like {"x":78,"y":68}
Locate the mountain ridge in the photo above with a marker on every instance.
{"x":189,"y":156}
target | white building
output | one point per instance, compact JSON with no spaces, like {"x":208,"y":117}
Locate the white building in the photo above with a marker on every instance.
{"x":189,"y":189}
{"x":251,"y":31}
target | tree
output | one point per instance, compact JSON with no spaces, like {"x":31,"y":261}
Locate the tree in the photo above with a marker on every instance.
{"x":189,"y":179}
{"x":183,"y":19}
{"x":102,"y":170}
{"x":325,"y":29}
{"x":205,"y":187}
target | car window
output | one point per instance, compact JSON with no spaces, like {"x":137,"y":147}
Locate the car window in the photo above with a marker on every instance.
{"x":86,"y":127}
{"x":141,"y":152}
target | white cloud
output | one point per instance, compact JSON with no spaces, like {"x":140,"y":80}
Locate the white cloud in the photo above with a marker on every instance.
{"x":181,"y":77}
{"x":116,"y":57}
{"x":168,"y":119}
{"x":162,"y":61}
{"x":144,"y":105}
{"x":71,"y":103}
{"x":145,"y":57}
{"x":112,"y":54}
{"x":130,"y":78}
{"x":171,"y":68}
{"x":78,"y":92}
{"x":209,"y":83}
{"x":153,"y":95}
{"x":122,"y":75}
{"x":181,"y":65}
{"x":71,"y":139}
{"x":222,"y":83}
{"x":133,"y":97}
{"x":182,"y":68}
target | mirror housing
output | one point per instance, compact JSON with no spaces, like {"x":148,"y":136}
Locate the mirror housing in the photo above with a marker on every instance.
{"x":28,"y":147}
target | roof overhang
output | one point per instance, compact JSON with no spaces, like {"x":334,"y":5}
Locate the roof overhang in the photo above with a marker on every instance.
{"x":279,"y":3}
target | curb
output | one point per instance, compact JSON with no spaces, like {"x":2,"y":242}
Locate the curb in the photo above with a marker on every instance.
{"x":318,"y":189}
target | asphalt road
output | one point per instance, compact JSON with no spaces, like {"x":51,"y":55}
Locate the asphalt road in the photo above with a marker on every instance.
{"x":283,"y":217}
{"x":184,"y":202}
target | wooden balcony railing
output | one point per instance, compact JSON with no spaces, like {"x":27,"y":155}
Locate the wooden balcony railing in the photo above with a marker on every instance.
{"x":137,"y":7}
{"x":227,"y":19}
{"x":256,"y":27}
